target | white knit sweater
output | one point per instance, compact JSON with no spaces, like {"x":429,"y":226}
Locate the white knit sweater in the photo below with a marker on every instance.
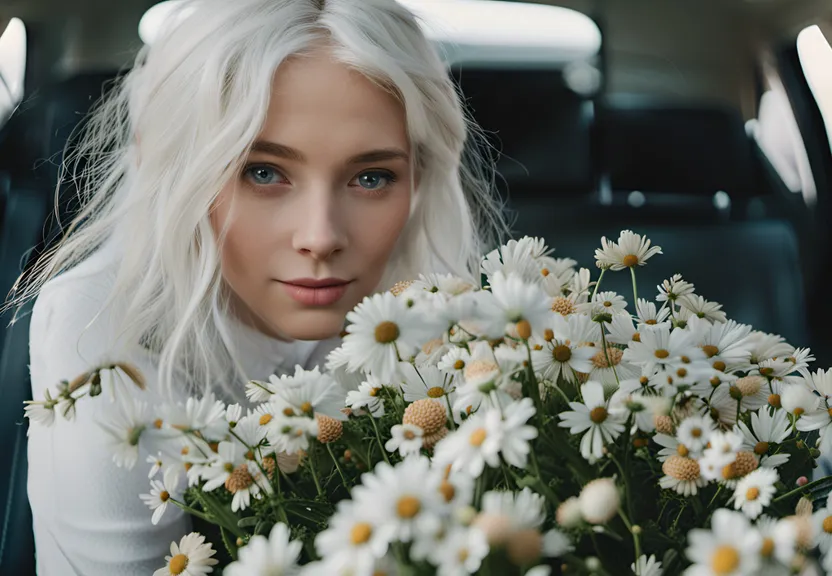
{"x":88,"y":518}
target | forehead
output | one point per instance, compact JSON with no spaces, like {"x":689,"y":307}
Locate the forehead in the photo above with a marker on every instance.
{"x":318,"y":102}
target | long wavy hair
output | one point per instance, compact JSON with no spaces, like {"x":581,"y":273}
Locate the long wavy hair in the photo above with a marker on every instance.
{"x":197,"y":98}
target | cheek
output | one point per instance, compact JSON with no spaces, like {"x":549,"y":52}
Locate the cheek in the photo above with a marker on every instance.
{"x":376,"y":231}
{"x":243,"y":245}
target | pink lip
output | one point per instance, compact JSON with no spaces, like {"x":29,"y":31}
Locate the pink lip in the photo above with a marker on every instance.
{"x":316,"y":292}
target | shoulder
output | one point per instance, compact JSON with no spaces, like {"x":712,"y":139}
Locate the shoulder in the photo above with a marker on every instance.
{"x":74,"y":325}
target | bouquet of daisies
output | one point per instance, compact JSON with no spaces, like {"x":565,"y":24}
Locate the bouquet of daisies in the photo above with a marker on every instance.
{"x":536,"y":425}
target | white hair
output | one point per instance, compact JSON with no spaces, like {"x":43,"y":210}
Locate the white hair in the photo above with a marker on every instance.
{"x":197,"y":99}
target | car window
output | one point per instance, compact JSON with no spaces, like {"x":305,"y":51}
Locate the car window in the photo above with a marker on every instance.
{"x":12,"y":67}
{"x":816,"y":60}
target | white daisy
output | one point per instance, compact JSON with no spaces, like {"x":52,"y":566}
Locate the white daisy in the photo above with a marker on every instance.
{"x":695,"y":432}
{"x":674,"y":288}
{"x":728,"y":548}
{"x":710,"y":311}
{"x":754,"y":491}
{"x":606,"y":304}
{"x":778,"y":541}
{"x":425,"y":382}
{"x":609,"y":367}
{"x":670,"y":447}
{"x":461,"y":552}
{"x":156,"y":462}
{"x":767,"y":346}
{"x":630,"y":251}
{"x":351,"y":540}
{"x":454,"y":361}
{"x":258,"y":391}
{"x":475,"y":443}
{"x":233,"y":413}
{"x":307,"y":392}
{"x":648,"y":314}
{"x":592,"y":416}
{"x":768,"y":429}
{"x":820,"y":420}
{"x":798,"y":400}
{"x":443,"y":286}
{"x":205,"y":415}
{"x":291,"y":434}
{"x":382,"y":331}
{"x":621,"y":330}
{"x":682,"y":474}
{"x":728,"y":342}
{"x":406,"y":498}
{"x":580,"y":286}
{"x":512,"y":303}
{"x":367,"y":396}
{"x":515,"y":433}
{"x":520,"y":257}
{"x":407,"y":439}
{"x":820,"y":382}
{"x":659,"y":348}
{"x":822,"y":526}
{"x":191,"y":557}
{"x":161,"y":493}
{"x":42,"y":412}
{"x":564,"y":353}
{"x":277,"y":554}
{"x":124,"y":426}
{"x":646,"y":566}
{"x":722,"y":452}
{"x":240,"y":476}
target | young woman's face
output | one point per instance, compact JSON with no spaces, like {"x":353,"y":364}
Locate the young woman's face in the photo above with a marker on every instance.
{"x":320,"y":204}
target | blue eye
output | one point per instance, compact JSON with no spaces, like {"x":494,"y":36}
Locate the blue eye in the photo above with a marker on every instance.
{"x":264,"y":175}
{"x":375,"y":179}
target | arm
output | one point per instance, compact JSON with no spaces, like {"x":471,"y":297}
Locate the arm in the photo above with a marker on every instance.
{"x":88,"y":518}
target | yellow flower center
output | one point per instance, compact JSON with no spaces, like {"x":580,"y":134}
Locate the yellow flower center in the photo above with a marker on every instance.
{"x":661,"y":353}
{"x":447,"y":489}
{"x":725,"y":560}
{"x":636,"y":337}
{"x":524,"y":329}
{"x":696,"y":432}
{"x":361,"y":533}
{"x":157,"y":423}
{"x":682,"y":450}
{"x":752,"y":493}
{"x":548,"y":335}
{"x":827,"y":524}
{"x":409,"y":435}
{"x":288,"y":412}
{"x":681,"y":372}
{"x":436,"y":392}
{"x":408,"y":506}
{"x":761,"y":448}
{"x":374,"y":392}
{"x":386,"y":332}
{"x":164,"y":496}
{"x":774,"y":400}
{"x":630,"y":260}
{"x":798,"y":411}
{"x":562,"y":353}
{"x":265,"y":419}
{"x":767,"y":549}
{"x":598,"y":415}
{"x":178,"y":564}
{"x":306,"y":408}
{"x":710,"y":350}
{"x":459,"y":365}
{"x":477,"y":437}
{"x":600,"y":358}
{"x":719,"y":365}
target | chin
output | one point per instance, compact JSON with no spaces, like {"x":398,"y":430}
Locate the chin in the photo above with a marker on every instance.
{"x":312,"y":325}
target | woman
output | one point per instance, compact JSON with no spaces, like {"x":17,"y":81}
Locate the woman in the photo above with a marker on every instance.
{"x":264,"y":166}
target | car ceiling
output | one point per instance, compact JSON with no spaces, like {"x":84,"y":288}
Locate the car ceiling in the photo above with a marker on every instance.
{"x":702,"y":50}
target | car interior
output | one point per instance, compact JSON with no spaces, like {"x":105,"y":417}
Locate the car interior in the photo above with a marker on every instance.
{"x":706,"y":126}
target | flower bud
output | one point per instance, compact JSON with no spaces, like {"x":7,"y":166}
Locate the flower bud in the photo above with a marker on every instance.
{"x":569,"y":513}
{"x":599,"y":501}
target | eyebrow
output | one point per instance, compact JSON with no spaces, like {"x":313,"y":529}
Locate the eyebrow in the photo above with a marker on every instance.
{"x":282,"y":151}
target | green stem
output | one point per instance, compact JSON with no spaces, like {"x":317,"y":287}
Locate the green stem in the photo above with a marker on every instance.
{"x":534,"y":386}
{"x":635,"y":291}
{"x":192,"y":511}
{"x":635,"y":533}
{"x":378,"y":438}
{"x":718,"y":490}
{"x":312,"y":468}
{"x":597,"y":284}
{"x":337,"y":466}
{"x":805,"y":488}
{"x":450,"y":411}
{"x":607,"y":354}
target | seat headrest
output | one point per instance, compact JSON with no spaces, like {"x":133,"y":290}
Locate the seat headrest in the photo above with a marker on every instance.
{"x":676,"y":149}
{"x":540,"y":127}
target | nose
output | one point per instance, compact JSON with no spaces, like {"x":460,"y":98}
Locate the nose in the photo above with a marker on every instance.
{"x":320,"y":232}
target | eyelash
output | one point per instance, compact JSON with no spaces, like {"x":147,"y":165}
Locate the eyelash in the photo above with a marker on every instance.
{"x":388,"y":175}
